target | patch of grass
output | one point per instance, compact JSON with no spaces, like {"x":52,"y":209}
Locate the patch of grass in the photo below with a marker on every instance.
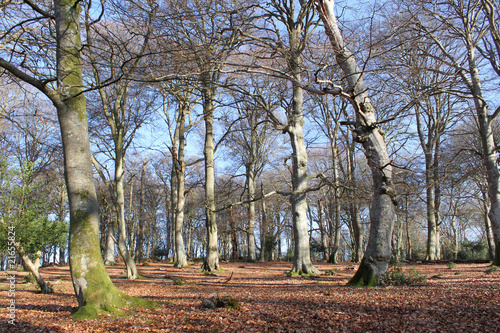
{"x":29,"y":279}
{"x":178,"y":282}
{"x":451,"y":265}
{"x":492,"y":270}
{"x":332,"y":272}
{"x":458,"y":272}
{"x":397,"y":276}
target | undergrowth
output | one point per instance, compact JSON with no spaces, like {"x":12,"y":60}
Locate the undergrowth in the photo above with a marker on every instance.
{"x":397,"y":276}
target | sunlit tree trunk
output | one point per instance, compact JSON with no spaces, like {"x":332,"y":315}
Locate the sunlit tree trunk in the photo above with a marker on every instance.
{"x":302,"y":258}
{"x":211,"y":262}
{"x":378,"y":252}
{"x":250,"y":171}
{"x":179,"y":172}
{"x":33,"y":268}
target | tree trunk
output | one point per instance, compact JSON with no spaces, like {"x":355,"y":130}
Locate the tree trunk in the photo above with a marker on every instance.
{"x":33,"y":268}
{"x":302,"y":257}
{"x":109,"y":254}
{"x":94,"y":290}
{"x":180,"y":174}
{"x":263,"y":226}
{"x":432,"y":229}
{"x":357,"y":227}
{"x":489,"y":232}
{"x":322,"y":229}
{"x":250,"y":171}
{"x":211,"y":262}
{"x":378,"y":252}
{"x":120,"y":209}
{"x":139,"y":242}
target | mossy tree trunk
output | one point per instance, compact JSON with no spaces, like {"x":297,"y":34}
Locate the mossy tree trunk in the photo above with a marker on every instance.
{"x":93,"y":288}
{"x":378,"y":252}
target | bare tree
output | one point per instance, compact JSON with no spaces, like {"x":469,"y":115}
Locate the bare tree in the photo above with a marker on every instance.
{"x":368,"y":132}
{"x":93,"y":288}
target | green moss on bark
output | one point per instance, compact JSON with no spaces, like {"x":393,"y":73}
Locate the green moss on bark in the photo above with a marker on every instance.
{"x":364,"y":277}
{"x":94,"y":289}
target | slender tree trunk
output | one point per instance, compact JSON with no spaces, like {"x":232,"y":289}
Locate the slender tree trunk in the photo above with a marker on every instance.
{"x":263,"y":226}
{"x":357,"y":227}
{"x":335,"y":209}
{"x":33,"y":268}
{"x":322,"y":229}
{"x":378,"y":252}
{"x":234,"y":236}
{"x":139,"y":245}
{"x":211,"y":262}
{"x":250,"y":171}
{"x":122,"y":226}
{"x":109,"y":255}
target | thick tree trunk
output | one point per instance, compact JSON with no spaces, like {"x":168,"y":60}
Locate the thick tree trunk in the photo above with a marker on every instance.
{"x":94,"y":290}
{"x":211,"y":262}
{"x":432,"y":228}
{"x":489,"y":231}
{"x":490,"y":158}
{"x":302,"y":257}
{"x":378,"y":252}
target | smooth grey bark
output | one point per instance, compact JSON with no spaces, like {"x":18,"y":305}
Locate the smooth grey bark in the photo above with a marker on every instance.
{"x":252,"y":254}
{"x":211,"y":262}
{"x":263,"y":225}
{"x":325,"y":239}
{"x":180,"y":171}
{"x":302,"y":263}
{"x":109,"y":251}
{"x":378,"y":252}
{"x":487,"y":225}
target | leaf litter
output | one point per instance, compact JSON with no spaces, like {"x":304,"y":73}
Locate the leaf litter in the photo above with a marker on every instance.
{"x":268,"y":301}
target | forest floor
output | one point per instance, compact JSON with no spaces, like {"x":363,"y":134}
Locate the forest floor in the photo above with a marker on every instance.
{"x":464,"y":298}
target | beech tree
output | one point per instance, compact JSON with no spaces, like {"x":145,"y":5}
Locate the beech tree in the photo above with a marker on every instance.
{"x":368,"y":132}
{"x":298,"y":22}
{"x":51,"y":62}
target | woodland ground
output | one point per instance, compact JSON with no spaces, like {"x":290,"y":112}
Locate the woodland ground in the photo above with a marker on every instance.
{"x":464,"y":298}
